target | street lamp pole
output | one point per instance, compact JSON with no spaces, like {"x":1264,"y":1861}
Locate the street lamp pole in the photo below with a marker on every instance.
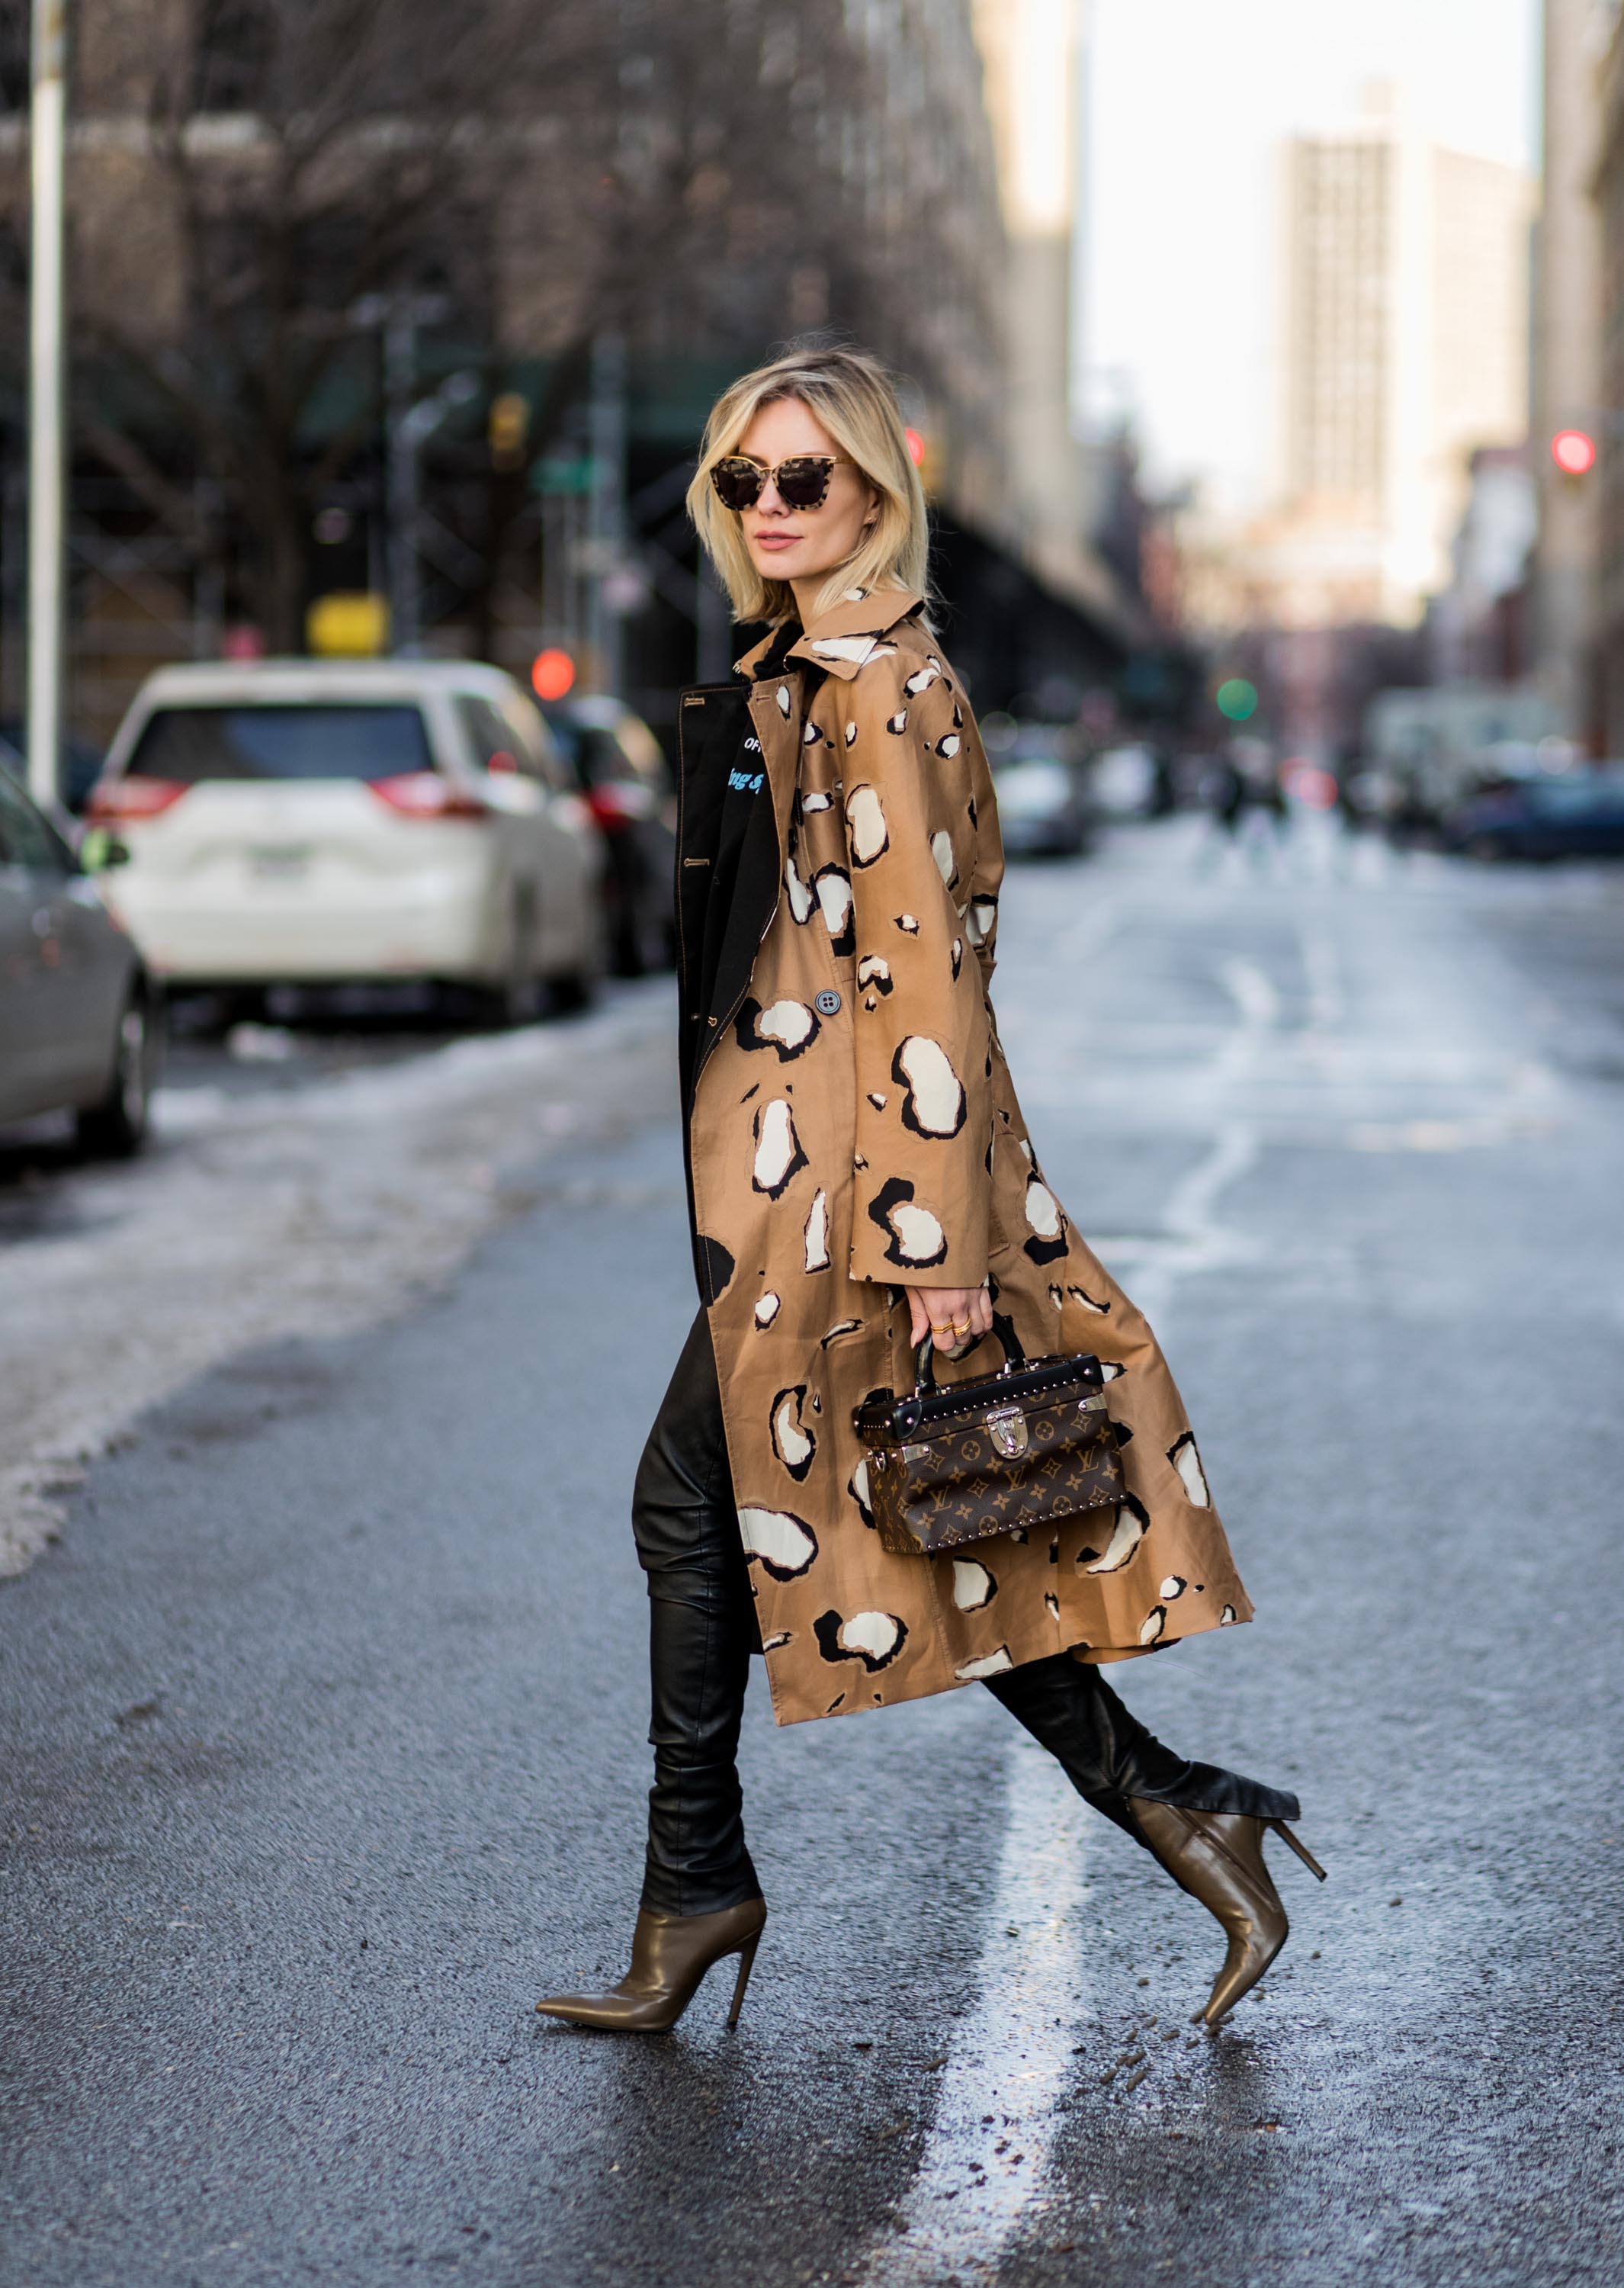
{"x":402,"y":490}
{"x":401,"y":316}
{"x":47,"y":398}
{"x":606,"y":512}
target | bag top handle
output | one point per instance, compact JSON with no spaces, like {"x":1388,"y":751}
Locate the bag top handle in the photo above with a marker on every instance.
{"x":924,"y":1357}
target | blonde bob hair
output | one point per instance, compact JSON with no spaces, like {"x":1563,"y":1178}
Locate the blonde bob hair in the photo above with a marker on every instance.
{"x":855,"y":399}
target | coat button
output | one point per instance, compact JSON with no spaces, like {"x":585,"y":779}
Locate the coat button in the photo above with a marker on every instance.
{"x":828,"y":1003}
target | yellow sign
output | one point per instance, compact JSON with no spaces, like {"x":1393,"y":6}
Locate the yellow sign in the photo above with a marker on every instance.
{"x":509,"y":429}
{"x":348,"y":625}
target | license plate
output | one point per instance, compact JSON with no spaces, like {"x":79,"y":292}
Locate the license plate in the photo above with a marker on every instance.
{"x":279,"y":861}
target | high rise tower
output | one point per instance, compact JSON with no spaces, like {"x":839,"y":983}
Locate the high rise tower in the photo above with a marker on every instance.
{"x":1404,"y":349}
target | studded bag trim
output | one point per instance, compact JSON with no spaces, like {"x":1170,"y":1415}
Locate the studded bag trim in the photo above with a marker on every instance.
{"x":966,"y":1461}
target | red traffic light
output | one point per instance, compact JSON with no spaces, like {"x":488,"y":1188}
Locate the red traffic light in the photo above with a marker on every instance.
{"x":552,"y":673}
{"x":1573,"y":450}
{"x":915,"y":448}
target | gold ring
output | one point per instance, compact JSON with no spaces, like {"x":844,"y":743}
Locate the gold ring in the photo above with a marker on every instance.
{"x":935,"y":1329}
{"x":961,"y":1326}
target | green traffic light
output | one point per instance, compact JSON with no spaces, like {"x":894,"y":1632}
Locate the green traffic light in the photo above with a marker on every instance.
{"x":1237,"y":698}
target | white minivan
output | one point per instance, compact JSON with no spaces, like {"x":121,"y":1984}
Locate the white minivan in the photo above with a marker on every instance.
{"x":302,"y":821}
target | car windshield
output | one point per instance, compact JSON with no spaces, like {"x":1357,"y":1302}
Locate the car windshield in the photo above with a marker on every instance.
{"x":285,"y":742}
{"x":600,"y":756}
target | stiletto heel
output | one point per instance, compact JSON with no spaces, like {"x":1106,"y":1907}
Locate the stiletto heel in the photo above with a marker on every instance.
{"x":670,"y":1955}
{"x":747,"y":1962}
{"x":1300,"y":1848}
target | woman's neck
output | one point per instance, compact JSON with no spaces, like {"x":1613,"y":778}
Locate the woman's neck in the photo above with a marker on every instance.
{"x":806,"y":593}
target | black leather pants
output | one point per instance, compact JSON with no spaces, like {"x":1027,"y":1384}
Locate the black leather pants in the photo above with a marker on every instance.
{"x":702,"y":1632}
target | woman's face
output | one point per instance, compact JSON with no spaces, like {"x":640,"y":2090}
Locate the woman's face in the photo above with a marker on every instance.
{"x":802,"y":545}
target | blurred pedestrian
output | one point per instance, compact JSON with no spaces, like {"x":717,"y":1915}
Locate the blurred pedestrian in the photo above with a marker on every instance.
{"x":1245,"y":802}
{"x":1223,"y":797}
{"x":1164,"y":789}
{"x":861,"y":1183}
{"x":1227,"y":792}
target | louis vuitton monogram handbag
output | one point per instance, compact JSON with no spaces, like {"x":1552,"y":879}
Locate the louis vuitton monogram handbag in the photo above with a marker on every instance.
{"x":952,"y":1463}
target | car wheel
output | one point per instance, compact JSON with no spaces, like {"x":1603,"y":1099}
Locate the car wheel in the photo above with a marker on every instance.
{"x":515,"y":999}
{"x":577,"y":987}
{"x":1484,"y":849}
{"x":628,"y":954}
{"x":117,"y":1127}
{"x":642,"y":940}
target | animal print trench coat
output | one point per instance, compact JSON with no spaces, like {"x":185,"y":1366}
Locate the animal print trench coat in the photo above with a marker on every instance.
{"x":853,"y":1130}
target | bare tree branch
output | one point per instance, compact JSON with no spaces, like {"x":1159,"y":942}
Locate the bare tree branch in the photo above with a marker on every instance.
{"x":174,"y":507}
{"x":703,"y":178}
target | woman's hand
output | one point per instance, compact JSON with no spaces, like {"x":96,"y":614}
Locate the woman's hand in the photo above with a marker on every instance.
{"x":951,"y":1315}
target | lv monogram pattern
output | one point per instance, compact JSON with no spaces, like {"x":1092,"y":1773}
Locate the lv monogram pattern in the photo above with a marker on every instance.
{"x":959,"y":1484}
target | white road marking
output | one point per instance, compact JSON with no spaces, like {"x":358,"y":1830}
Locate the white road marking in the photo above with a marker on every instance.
{"x":1196,"y":1241}
{"x":1006,"y":2057}
{"x":1396,"y":1054}
{"x":1320,"y":961}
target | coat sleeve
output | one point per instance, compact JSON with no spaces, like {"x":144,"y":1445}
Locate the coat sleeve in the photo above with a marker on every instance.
{"x":921,"y":1027}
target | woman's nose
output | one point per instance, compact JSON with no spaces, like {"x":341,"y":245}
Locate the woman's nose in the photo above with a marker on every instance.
{"x":771,"y":502}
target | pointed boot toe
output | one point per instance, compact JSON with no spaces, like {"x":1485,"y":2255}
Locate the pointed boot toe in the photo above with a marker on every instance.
{"x":670,"y":1955}
{"x":604,"y":2011}
{"x":1217,"y":1857}
{"x":1253,"y":1945}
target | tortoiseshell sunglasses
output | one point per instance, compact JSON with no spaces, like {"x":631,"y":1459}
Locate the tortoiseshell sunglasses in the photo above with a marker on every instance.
{"x":802,"y":481}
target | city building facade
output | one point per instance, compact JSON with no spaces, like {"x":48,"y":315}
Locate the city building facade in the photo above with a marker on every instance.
{"x":1476,"y":626}
{"x":1567,"y":378}
{"x":1405,"y":321}
{"x":663,"y":197}
{"x":1058,"y":490}
{"x":1598,"y":509}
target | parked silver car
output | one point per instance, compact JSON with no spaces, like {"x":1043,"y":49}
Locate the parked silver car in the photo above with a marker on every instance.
{"x":80,"y":1024}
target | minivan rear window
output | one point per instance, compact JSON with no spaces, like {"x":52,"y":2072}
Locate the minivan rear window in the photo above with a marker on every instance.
{"x":287,"y":741}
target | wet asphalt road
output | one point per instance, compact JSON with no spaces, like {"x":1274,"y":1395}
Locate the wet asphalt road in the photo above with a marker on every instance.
{"x":323,"y":1723}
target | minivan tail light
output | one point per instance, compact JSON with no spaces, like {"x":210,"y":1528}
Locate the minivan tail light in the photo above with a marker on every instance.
{"x":619,"y":803}
{"x":115,"y":801}
{"x":424,"y":794}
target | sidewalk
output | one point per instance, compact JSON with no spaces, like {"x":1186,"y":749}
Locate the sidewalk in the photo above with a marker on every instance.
{"x":285,"y":1213}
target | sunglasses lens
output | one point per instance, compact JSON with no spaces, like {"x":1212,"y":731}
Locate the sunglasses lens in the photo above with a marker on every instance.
{"x":805,"y":483}
{"x":738,"y":483}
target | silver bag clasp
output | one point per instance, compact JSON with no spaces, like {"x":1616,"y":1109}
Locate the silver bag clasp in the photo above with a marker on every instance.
{"x":1008,"y":1425}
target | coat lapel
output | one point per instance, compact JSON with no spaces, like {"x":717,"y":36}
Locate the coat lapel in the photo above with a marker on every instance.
{"x":845,"y":637}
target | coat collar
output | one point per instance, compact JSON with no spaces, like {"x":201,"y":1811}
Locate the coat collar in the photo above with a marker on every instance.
{"x":841,"y":639}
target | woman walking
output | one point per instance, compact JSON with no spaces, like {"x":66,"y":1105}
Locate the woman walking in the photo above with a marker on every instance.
{"x":860,"y":1179}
